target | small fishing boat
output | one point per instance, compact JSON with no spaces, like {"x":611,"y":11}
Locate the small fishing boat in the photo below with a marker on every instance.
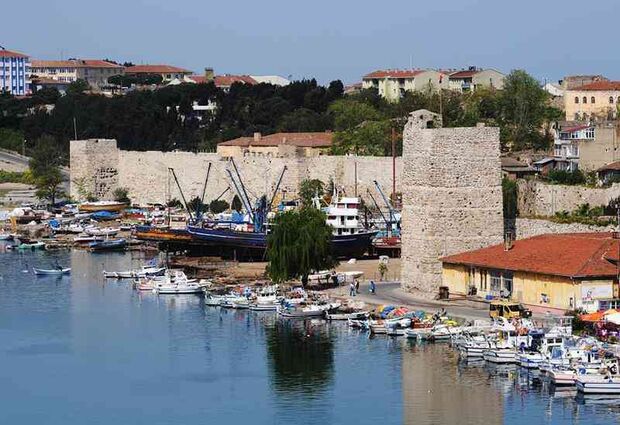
{"x":104,"y":231}
{"x":86,"y":239}
{"x":598,"y":384}
{"x":264,"y":307}
{"x":308,"y":311}
{"x":241,"y":303}
{"x":500,"y":354}
{"x":102,"y":206}
{"x":53,"y":272}
{"x":561,"y":376}
{"x":108,"y":245}
{"x":361,"y":315}
{"x":32,"y":246}
{"x":145,"y":271}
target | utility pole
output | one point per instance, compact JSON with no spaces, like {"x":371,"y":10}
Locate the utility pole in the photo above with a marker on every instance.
{"x":393,"y":166}
{"x":74,"y":129}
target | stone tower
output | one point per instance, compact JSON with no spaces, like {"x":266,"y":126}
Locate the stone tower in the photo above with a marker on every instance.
{"x":452,"y":196}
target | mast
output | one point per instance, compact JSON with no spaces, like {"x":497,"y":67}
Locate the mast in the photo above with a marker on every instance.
{"x":387,"y":203}
{"x":275,"y":191}
{"x":204,"y":189}
{"x":245,"y":194}
{"x":246,"y":203}
{"x":191,"y":218}
{"x":387,"y":223}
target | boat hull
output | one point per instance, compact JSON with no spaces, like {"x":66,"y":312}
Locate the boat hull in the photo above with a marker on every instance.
{"x":597,"y":385}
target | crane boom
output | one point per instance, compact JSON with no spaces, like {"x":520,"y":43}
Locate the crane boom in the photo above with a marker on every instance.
{"x":275,"y":191}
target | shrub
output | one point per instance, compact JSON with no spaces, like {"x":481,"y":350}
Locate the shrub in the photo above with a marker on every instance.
{"x":509,"y":196}
{"x":121,"y":194}
{"x":218,"y":205}
{"x":566,"y":177}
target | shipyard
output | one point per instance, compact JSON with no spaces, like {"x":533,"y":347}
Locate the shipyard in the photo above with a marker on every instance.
{"x":266,"y":214}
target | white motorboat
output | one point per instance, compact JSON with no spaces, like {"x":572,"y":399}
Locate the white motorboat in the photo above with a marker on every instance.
{"x":561,"y":376}
{"x":51,"y":272}
{"x":86,"y":239}
{"x":263,"y":307}
{"x":167,"y":288}
{"x":362,"y":315}
{"x":500,"y":354}
{"x":145,"y":271}
{"x":598,"y":384}
{"x":103,"y":231}
{"x":442,"y":332}
{"x":301,"y":312}
{"x":418,"y":333}
{"x":241,"y":303}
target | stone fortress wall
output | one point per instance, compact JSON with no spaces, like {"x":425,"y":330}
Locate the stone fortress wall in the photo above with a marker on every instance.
{"x":452,"y":196}
{"x":540,"y":199}
{"x":98,"y":167}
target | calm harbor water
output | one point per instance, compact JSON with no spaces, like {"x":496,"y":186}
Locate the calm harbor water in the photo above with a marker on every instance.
{"x":78,"y":349}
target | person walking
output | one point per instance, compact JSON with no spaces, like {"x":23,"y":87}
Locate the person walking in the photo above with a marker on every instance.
{"x":372,"y":288}
{"x":357,"y":286}
{"x":352,"y":289}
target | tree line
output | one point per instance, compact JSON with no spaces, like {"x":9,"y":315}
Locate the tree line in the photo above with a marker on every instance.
{"x":163,"y":119}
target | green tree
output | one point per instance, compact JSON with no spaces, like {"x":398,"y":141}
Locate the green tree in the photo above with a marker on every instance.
{"x":348,"y":114}
{"x":236,"y":203}
{"x":197,"y":206}
{"x":308,"y":189}
{"x":370,"y":138}
{"x":11,"y":139}
{"x":509,"y":196}
{"x":523,"y":109}
{"x":50,"y":185}
{"x":79,"y":86}
{"x":121,"y":194}
{"x":299,"y":244}
{"x":217,"y":206}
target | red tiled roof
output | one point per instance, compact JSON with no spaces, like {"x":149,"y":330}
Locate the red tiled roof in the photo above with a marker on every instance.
{"x":466,"y":73}
{"x":155,"y":69}
{"x":11,"y":54}
{"x":77,"y":63}
{"x":614,"y":166}
{"x":394,"y":73}
{"x":198,"y":79}
{"x":306,"y":140}
{"x":229,"y":80}
{"x":574,"y":128}
{"x":574,"y":255}
{"x":599,"y":86}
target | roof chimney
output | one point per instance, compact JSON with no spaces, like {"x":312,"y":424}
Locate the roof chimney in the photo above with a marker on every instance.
{"x":257,"y":137}
{"x":508,"y":241}
{"x":209,"y":74}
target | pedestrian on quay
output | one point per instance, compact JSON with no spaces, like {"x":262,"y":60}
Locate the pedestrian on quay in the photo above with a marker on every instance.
{"x":357,"y":286}
{"x":352,"y":289}
{"x":372,"y":288}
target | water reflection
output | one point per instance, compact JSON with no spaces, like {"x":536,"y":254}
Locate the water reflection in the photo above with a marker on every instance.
{"x":437,"y":391}
{"x":300,"y":355}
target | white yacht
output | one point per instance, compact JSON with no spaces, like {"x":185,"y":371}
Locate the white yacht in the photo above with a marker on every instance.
{"x":343,"y":215}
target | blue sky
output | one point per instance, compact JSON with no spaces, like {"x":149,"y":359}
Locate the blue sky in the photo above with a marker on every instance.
{"x":324,"y":39}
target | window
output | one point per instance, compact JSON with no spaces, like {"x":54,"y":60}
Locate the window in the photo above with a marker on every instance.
{"x":585,"y":100}
{"x":576,"y":99}
{"x":590,"y":133}
{"x":592,"y":100}
{"x":611,"y":99}
{"x":508,"y":282}
{"x":496,"y":281}
{"x":483,"y":280}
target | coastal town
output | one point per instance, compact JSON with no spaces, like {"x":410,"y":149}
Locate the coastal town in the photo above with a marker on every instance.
{"x":465,"y":217}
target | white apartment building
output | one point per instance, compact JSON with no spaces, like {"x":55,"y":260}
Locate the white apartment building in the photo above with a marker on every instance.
{"x":94,"y":72}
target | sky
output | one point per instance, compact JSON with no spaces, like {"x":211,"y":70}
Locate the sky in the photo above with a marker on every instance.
{"x":324,"y":39}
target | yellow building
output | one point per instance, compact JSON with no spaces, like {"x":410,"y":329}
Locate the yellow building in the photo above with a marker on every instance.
{"x":278,"y":144}
{"x":94,"y":72}
{"x":597,"y":100}
{"x":392,"y":84}
{"x":168,"y":72}
{"x":554,"y":272}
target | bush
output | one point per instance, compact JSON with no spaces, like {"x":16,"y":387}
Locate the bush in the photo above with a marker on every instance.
{"x":15,"y":177}
{"x":567,"y":177}
{"x":218,"y":205}
{"x":121,"y":194}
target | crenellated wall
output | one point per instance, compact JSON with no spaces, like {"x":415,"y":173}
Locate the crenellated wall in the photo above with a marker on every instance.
{"x":98,"y":167}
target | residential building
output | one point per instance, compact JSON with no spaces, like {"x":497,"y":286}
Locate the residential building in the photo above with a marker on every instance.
{"x":593,"y":101}
{"x":14,"y":73}
{"x":94,"y":71}
{"x":278,"y":144}
{"x":573,"y":81}
{"x":514,"y":169}
{"x":275,"y":80}
{"x":473,"y":78}
{"x":554,"y":272}
{"x":609,"y":173}
{"x":168,"y":72}
{"x":393,"y":84}
{"x":39,"y":83}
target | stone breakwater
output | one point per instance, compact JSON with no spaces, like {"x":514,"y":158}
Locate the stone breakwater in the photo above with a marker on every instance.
{"x":452,"y":196}
{"x":98,"y":167}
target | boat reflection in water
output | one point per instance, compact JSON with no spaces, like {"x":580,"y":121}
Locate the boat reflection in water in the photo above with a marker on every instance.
{"x":437,"y":391}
